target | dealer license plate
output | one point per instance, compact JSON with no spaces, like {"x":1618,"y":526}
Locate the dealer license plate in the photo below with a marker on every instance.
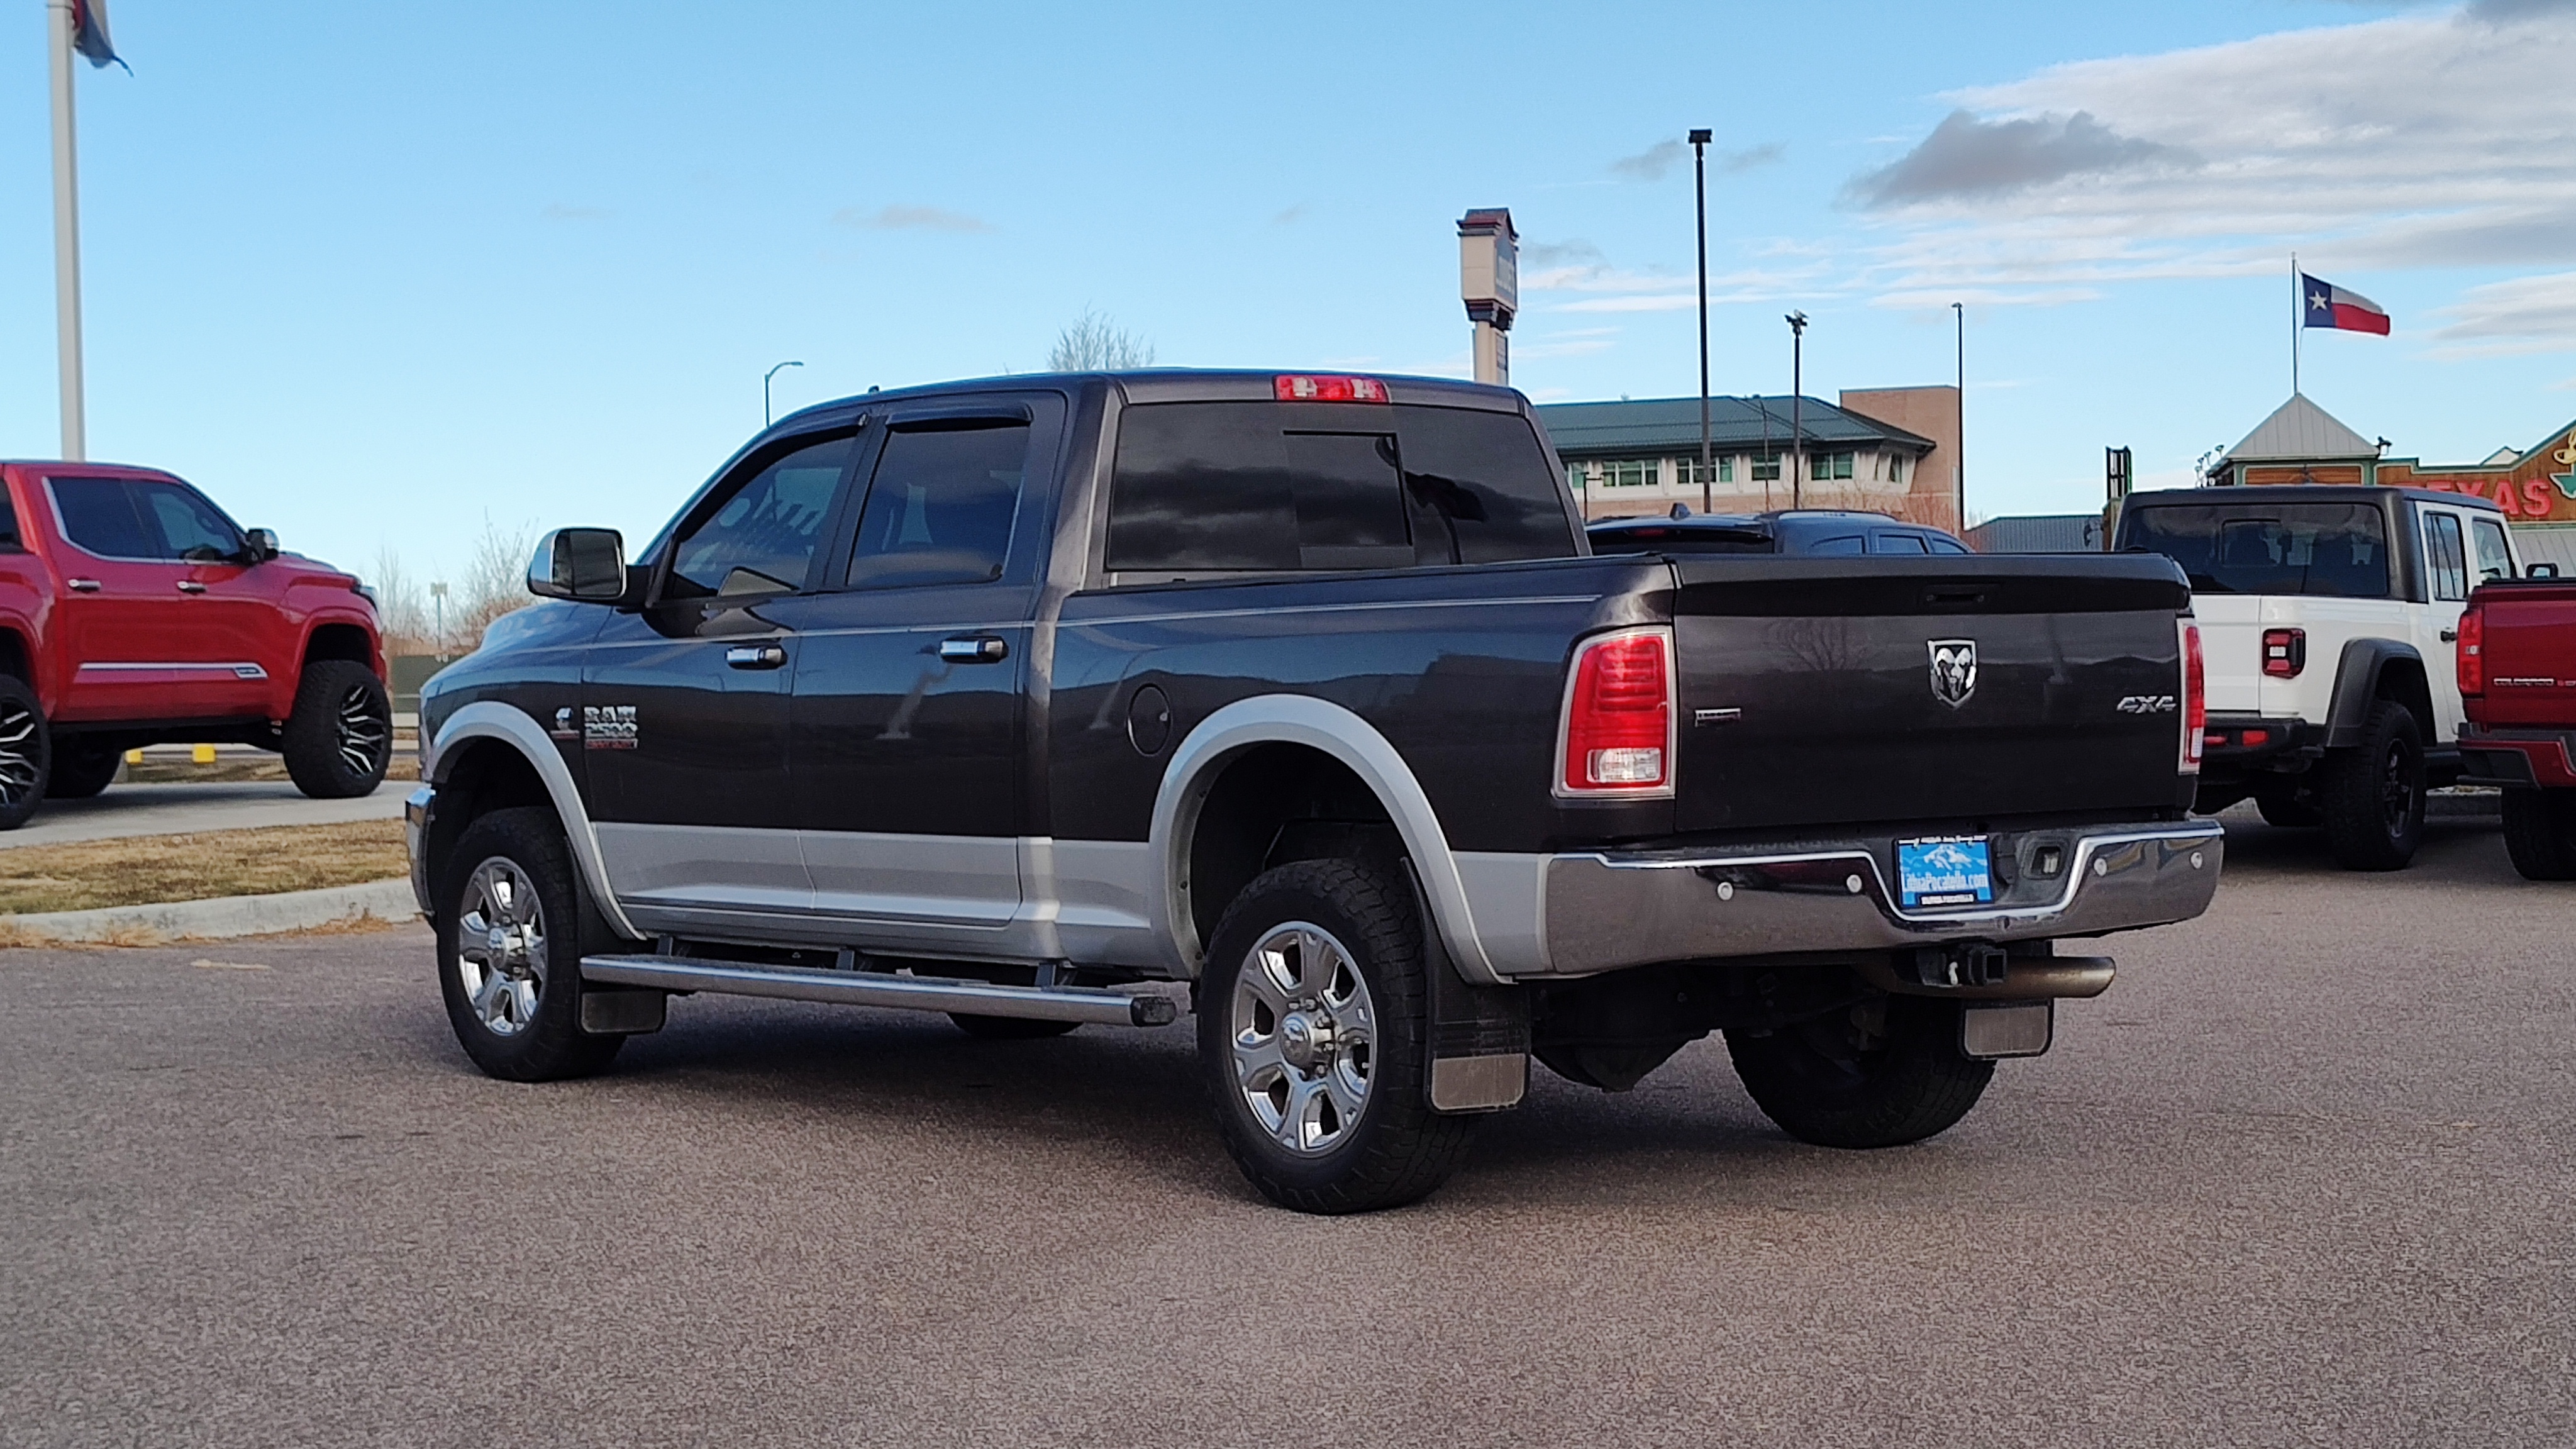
{"x":1945,"y":870}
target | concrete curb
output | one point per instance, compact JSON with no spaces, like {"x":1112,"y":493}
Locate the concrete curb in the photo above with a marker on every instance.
{"x":384,"y":900}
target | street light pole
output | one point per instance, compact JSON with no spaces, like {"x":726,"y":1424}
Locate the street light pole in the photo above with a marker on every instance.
{"x":1797,"y":408}
{"x":764,"y":390}
{"x":1699,"y":170}
{"x":1959,"y":463}
{"x":67,"y":307}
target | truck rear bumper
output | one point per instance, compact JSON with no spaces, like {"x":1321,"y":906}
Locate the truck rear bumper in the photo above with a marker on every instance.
{"x":1613,"y":909}
{"x":2526,"y":758}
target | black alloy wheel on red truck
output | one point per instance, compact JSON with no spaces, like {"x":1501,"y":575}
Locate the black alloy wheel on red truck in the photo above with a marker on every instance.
{"x":26,"y":753}
{"x":340,"y":739}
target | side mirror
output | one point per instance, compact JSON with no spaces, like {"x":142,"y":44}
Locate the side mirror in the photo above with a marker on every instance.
{"x":2540,"y":571}
{"x":579,"y":563}
{"x":260,"y":544}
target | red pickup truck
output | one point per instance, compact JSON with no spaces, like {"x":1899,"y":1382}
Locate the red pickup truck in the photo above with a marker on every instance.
{"x":2517,"y":653}
{"x":134,"y":612}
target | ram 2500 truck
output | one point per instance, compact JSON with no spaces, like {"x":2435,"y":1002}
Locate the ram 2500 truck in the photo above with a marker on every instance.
{"x":133,"y":611}
{"x":2517,"y":672}
{"x":2328,"y":615}
{"x":1010,"y":699}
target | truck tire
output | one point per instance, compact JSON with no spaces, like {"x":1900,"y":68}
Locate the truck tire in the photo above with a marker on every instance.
{"x":81,"y":769}
{"x":26,"y":753}
{"x":340,"y":738}
{"x":1845,"y":1080}
{"x":2540,"y":833}
{"x":509,"y":927}
{"x":2372,"y":795}
{"x":1008,"y":1028}
{"x":1312,"y":1032}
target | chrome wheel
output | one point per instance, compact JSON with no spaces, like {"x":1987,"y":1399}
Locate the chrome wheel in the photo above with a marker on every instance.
{"x":361,"y":733}
{"x":501,"y":946}
{"x":21,"y":735}
{"x":1304,"y":1038}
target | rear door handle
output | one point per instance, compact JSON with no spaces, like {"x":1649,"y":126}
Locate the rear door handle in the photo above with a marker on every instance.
{"x":191,"y":586}
{"x":975,"y":649}
{"x":2450,"y":636}
{"x":756,"y":656}
{"x":86,"y":586}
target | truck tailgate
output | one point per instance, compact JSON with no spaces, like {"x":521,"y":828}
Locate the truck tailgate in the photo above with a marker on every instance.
{"x":2530,"y":650}
{"x":1946,"y":691}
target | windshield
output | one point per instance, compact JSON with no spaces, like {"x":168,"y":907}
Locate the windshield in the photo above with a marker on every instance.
{"x":2336,"y":550}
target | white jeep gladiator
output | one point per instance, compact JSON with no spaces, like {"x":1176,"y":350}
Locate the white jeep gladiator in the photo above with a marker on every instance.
{"x":2328,"y":620}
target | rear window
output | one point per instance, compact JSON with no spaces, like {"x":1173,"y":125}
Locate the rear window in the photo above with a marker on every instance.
{"x":2333,"y":550}
{"x":1244,"y":486}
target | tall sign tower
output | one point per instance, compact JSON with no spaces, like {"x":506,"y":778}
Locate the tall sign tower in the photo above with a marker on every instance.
{"x":1489,"y":282}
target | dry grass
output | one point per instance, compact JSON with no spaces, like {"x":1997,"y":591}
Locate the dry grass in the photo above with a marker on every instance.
{"x":151,"y":869}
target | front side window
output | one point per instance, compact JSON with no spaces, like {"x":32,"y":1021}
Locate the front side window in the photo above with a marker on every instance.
{"x":2334,"y":550}
{"x":190,"y":528}
{"x":2449,"y":560}
{"x":1841,"y":543}
{"x":761,"y":538}
{"x":2495,"y":560}
{"x":940,"y":507}
{"x":1897,"y":543}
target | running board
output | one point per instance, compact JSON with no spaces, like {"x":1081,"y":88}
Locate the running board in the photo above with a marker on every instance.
{"x":879,"y":988}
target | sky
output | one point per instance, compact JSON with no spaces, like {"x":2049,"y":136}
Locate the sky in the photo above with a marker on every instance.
{"x":383,"y":276}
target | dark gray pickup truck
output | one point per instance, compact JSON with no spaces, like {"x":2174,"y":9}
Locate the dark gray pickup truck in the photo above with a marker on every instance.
{"x":1013,"y":699}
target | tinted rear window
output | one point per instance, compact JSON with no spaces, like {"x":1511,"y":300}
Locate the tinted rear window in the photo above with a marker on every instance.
{"x":1288,"y":486}
{"x":2335,"y":550}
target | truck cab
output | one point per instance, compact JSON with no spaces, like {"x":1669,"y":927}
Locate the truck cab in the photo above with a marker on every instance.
{"x":2328,"y":618}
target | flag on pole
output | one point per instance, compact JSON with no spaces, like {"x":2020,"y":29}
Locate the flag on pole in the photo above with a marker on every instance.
{"x":89,"y":34}
{"x":2325,"y":305}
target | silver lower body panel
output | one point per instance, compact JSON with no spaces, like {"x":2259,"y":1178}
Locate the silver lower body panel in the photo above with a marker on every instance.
{"x":878,"y":988}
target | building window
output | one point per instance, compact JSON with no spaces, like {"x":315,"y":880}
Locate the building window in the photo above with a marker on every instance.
{"x":1823,"y":466}
{"x":1686,"y":471}
{"x":1631,"y":472}
{"x":1895,"y":468}
{"x":1766,"y":467}
{"x":1574,"y":476}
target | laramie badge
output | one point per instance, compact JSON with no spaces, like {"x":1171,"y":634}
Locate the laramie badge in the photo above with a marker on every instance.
{"x":1954,"y":670}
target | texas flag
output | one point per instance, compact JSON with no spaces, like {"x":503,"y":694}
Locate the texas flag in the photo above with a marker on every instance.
{"x":2322,"y":305}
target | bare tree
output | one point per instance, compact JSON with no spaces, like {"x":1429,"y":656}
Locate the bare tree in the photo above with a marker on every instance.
{"x":1093,"y":343}
{"x":496,"y":578}
{"x":401,"y":610}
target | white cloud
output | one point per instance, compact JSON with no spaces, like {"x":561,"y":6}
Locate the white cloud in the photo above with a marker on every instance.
{"x":910,"y":218}
{"x":2526,"y":314}
{"x":2413,"y":141}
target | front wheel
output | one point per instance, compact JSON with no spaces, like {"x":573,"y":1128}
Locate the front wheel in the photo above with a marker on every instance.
{"x":1312,"y":1030}
{"x":2372,"y":795}
{"x":2540,"y":833}
{"x":509,"y":950}
{"x":340,"y":738}
{"x":1881,"y":1074}
{"x":26,"y":753}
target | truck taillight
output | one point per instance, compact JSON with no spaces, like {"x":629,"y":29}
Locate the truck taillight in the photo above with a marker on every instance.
{"x":2285,"y":652}
{"x":2195,"y":703}
{"x":1619,"y":716}
{"x":1302,"y":387}
{"x":2473,"y":652}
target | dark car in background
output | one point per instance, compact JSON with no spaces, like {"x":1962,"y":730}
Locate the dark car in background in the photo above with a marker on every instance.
{"x":1809,"y":532}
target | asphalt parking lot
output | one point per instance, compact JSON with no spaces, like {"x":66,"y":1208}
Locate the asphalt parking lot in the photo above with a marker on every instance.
{"x":2305,"y":1176}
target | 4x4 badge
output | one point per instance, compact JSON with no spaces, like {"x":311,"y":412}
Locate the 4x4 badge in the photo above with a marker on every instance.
{"x":1954,"y":670}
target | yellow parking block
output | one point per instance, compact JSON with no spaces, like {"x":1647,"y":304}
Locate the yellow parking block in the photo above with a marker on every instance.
{"x":203,"y":754}
{"x":134,"y":757}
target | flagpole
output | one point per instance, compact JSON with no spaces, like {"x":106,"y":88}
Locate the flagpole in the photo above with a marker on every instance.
{"x":67,"y":308}
{"x":2298,"y":318}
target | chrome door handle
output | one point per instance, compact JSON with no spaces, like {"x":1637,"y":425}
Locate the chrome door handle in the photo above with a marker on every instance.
{"x":756,"y":656}
{"x":86,"y":586}
{"x":191,"y":586}
{"x":975,"y":649}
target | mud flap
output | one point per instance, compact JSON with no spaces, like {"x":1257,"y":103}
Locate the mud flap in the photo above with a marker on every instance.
{"x":1480,"y":1035}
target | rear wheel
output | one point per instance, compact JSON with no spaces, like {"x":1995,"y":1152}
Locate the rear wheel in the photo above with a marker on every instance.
{"x":1008,"y":1028}
{"x":2540,"y":833}
{"x":2372,"y":795}
{"x":82,"y":769}
{"x":1312,"y":1030}
{"x":340,"y":738}
{"x":1881,"y":1074}
{"x":508,"y":921}
{"x":26,"y":753}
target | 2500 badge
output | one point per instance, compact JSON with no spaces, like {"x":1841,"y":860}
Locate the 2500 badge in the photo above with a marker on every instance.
{"x":603,"y":726}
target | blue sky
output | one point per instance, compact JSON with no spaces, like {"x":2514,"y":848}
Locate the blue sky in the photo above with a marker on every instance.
{"x":372,"y":274}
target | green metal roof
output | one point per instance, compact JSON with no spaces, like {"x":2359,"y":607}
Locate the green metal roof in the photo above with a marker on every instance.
{"x":1650,"y":427}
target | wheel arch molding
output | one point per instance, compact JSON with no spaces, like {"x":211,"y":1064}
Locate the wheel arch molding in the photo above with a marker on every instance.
{"x":2359,"y":674}
{"x":1200,"y":761}
{"x":491,"y":725}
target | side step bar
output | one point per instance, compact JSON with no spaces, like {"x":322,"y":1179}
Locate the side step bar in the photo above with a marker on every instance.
{"x":879,"y":988}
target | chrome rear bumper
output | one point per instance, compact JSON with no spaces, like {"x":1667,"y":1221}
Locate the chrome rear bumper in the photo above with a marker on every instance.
{"x":1612,"y":909}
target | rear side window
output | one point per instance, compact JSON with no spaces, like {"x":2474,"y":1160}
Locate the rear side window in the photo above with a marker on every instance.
{"x":761,"y":538}
{"x":2449,"y":559}
{"x":1838,"y":544}
{"x":939,"y":510}
{"x":1943,"y":545}
{"x":2495,"y":560}
{"x":99,"y":518}
{"x":1897,"y":543}
{"x":2332,"y":550}
{"x":10,"y":542}
{"x":1290,"y":486}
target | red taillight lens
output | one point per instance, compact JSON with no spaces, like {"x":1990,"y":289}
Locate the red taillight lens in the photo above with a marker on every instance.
{"x":2285,"y":652}
{"x":1619,"y":716}
{"x":1302,"y":387}
{"x":2473,"y":652}
{"x":2195,"y":705}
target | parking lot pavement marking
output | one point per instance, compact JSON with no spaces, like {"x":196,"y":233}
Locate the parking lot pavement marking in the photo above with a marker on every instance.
{"x":228,"y":965}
